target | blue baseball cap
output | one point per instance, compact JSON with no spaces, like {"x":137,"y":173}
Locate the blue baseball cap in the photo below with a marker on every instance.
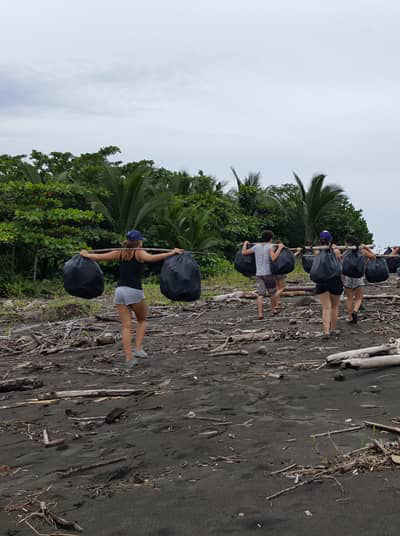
{"x":326,"y":235}
{"x":134,"y":235}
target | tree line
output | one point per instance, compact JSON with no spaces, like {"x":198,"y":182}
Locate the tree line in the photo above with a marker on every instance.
{"x":57,"y":203}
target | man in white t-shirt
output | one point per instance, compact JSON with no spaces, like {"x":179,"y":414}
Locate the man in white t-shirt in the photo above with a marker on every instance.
{"x":265,"y":280}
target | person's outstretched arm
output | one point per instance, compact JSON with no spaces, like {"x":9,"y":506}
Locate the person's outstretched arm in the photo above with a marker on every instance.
{"x":143,"y":256}
{"x":109,"y":256}
{"x":245,"y":250}
{"x":275,"y":254}
{"x":367,"y":252}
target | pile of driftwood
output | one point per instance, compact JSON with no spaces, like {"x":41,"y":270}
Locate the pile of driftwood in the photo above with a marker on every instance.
{"x":374,"y":456}
{"x":384,"y":355}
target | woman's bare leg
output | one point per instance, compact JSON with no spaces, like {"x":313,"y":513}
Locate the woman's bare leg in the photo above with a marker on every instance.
{"x":325,"y":300}
{"x":358,"y":298}
{"x":140,"y":310}
{"x":349,"y":302}
{"x":260,"y":306}
{"x":125,"y":315}
{"x":335,"y":301}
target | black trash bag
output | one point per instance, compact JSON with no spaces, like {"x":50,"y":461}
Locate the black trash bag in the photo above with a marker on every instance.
{"x":353,"y":264}
{"x":376,"y":270}
{"x":180,"y":278}
{"x":307,"y":261}
{"x":393,"y":263}
{"x":284,"y":264}
{"x":83,"y":278}
{"x":245,"y":264}
{"x":325,"y":266}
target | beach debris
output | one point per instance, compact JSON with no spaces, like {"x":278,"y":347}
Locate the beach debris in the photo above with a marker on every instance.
{"x":262,"y":350}
{"x":114,"y":415}
{"x":385,"y":427}
{"x":339,"y":376}
{"x":372,"y":362}
{"x":230,"y":352}
{"x":369,"y":458}
{"x":341,"y":431}
{"x":79,"y":468}
{"x":20,"y":384}
{"x":383,"y":349}
{"x":104,"y":339}
{"x":94,"y":393}
{"x":52,"y":519}
{"x":48,"y":443}
{"x":374,"y":389}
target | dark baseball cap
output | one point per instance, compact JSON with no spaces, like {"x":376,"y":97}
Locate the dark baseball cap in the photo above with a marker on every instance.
{"x":134,"y":235}
{"x":326,"y":235}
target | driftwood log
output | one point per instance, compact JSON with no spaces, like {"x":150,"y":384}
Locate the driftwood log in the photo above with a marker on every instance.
{"x":382,"y":297}
{"x":254,"y":336}
{"x":94,"y":393}
{"x":383,"y":349}
{"x":20,"y":384}
{"x":385,"y":427}
{"x":241,"y":295}
{"x":372,"y":362}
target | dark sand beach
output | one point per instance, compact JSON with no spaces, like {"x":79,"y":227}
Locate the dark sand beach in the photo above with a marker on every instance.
{"x":198,"y":441}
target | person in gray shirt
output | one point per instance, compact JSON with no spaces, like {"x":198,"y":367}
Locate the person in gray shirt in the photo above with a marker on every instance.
{"x":265,"y":280}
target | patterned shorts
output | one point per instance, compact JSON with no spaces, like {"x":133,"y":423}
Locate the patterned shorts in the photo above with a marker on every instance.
{"x":266,"y":283}
{"x":353,"y":282}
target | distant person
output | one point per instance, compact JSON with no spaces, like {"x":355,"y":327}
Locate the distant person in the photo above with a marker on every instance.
{"x":393,"y":252}
{"x":265,"y":280}
{"x":129,"y":295}
{"x":354,"y":286}
{"x":281,"y":281}
{"x":329,"y":292}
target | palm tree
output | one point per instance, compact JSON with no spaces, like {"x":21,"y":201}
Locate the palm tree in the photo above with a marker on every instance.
{"x":129,"y":201}
{"x":253,"y":179}
{"x":249,"y":191}
{"x":188,"y":228}
{"x":312,"y":204}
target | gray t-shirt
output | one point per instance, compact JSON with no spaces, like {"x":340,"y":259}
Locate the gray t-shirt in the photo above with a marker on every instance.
{"x":263,"y":258}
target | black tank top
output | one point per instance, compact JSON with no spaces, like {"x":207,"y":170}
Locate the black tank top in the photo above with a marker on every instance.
{"x":130,"y":274}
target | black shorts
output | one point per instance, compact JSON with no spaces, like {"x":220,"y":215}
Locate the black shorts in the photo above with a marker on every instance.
{"x":333,"y":286}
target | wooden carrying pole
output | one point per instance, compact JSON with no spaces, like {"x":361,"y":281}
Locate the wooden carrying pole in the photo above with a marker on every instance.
{"x":159,"y":250}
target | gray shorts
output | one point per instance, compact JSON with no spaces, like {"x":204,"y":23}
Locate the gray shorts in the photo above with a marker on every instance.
{"x":128,"y":296}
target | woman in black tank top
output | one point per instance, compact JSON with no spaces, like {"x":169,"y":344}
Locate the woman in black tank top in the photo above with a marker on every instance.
{"x":129,"y":294}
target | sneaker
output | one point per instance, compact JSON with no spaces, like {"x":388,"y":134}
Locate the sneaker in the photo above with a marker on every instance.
{"x":336,"y":332}
{"x":140,"y":353}
{"x":354,"y":318}
{"x":131,"y":363}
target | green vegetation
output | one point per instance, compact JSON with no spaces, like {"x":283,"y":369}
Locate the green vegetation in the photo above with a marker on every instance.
{"x":52,"y":205}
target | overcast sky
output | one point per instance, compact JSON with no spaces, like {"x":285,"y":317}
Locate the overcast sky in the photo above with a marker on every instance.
{"x":303,"y":85}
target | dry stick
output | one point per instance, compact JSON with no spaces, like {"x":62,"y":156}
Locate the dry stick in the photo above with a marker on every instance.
{"x":291,"y":488}
{"x":231,"y":352}
{"x":382,"y":296}
{"x":385,"y":427}
{"x":94,"y":393}
{"x":343,"y":430}
{"x":77,"y":469}
{"x":279,"y":471}
{"x":49,"y":533}
{"x":48,"y":443}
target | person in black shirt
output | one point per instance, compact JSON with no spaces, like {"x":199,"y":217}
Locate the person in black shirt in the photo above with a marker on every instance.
{"x":129,"y":294}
